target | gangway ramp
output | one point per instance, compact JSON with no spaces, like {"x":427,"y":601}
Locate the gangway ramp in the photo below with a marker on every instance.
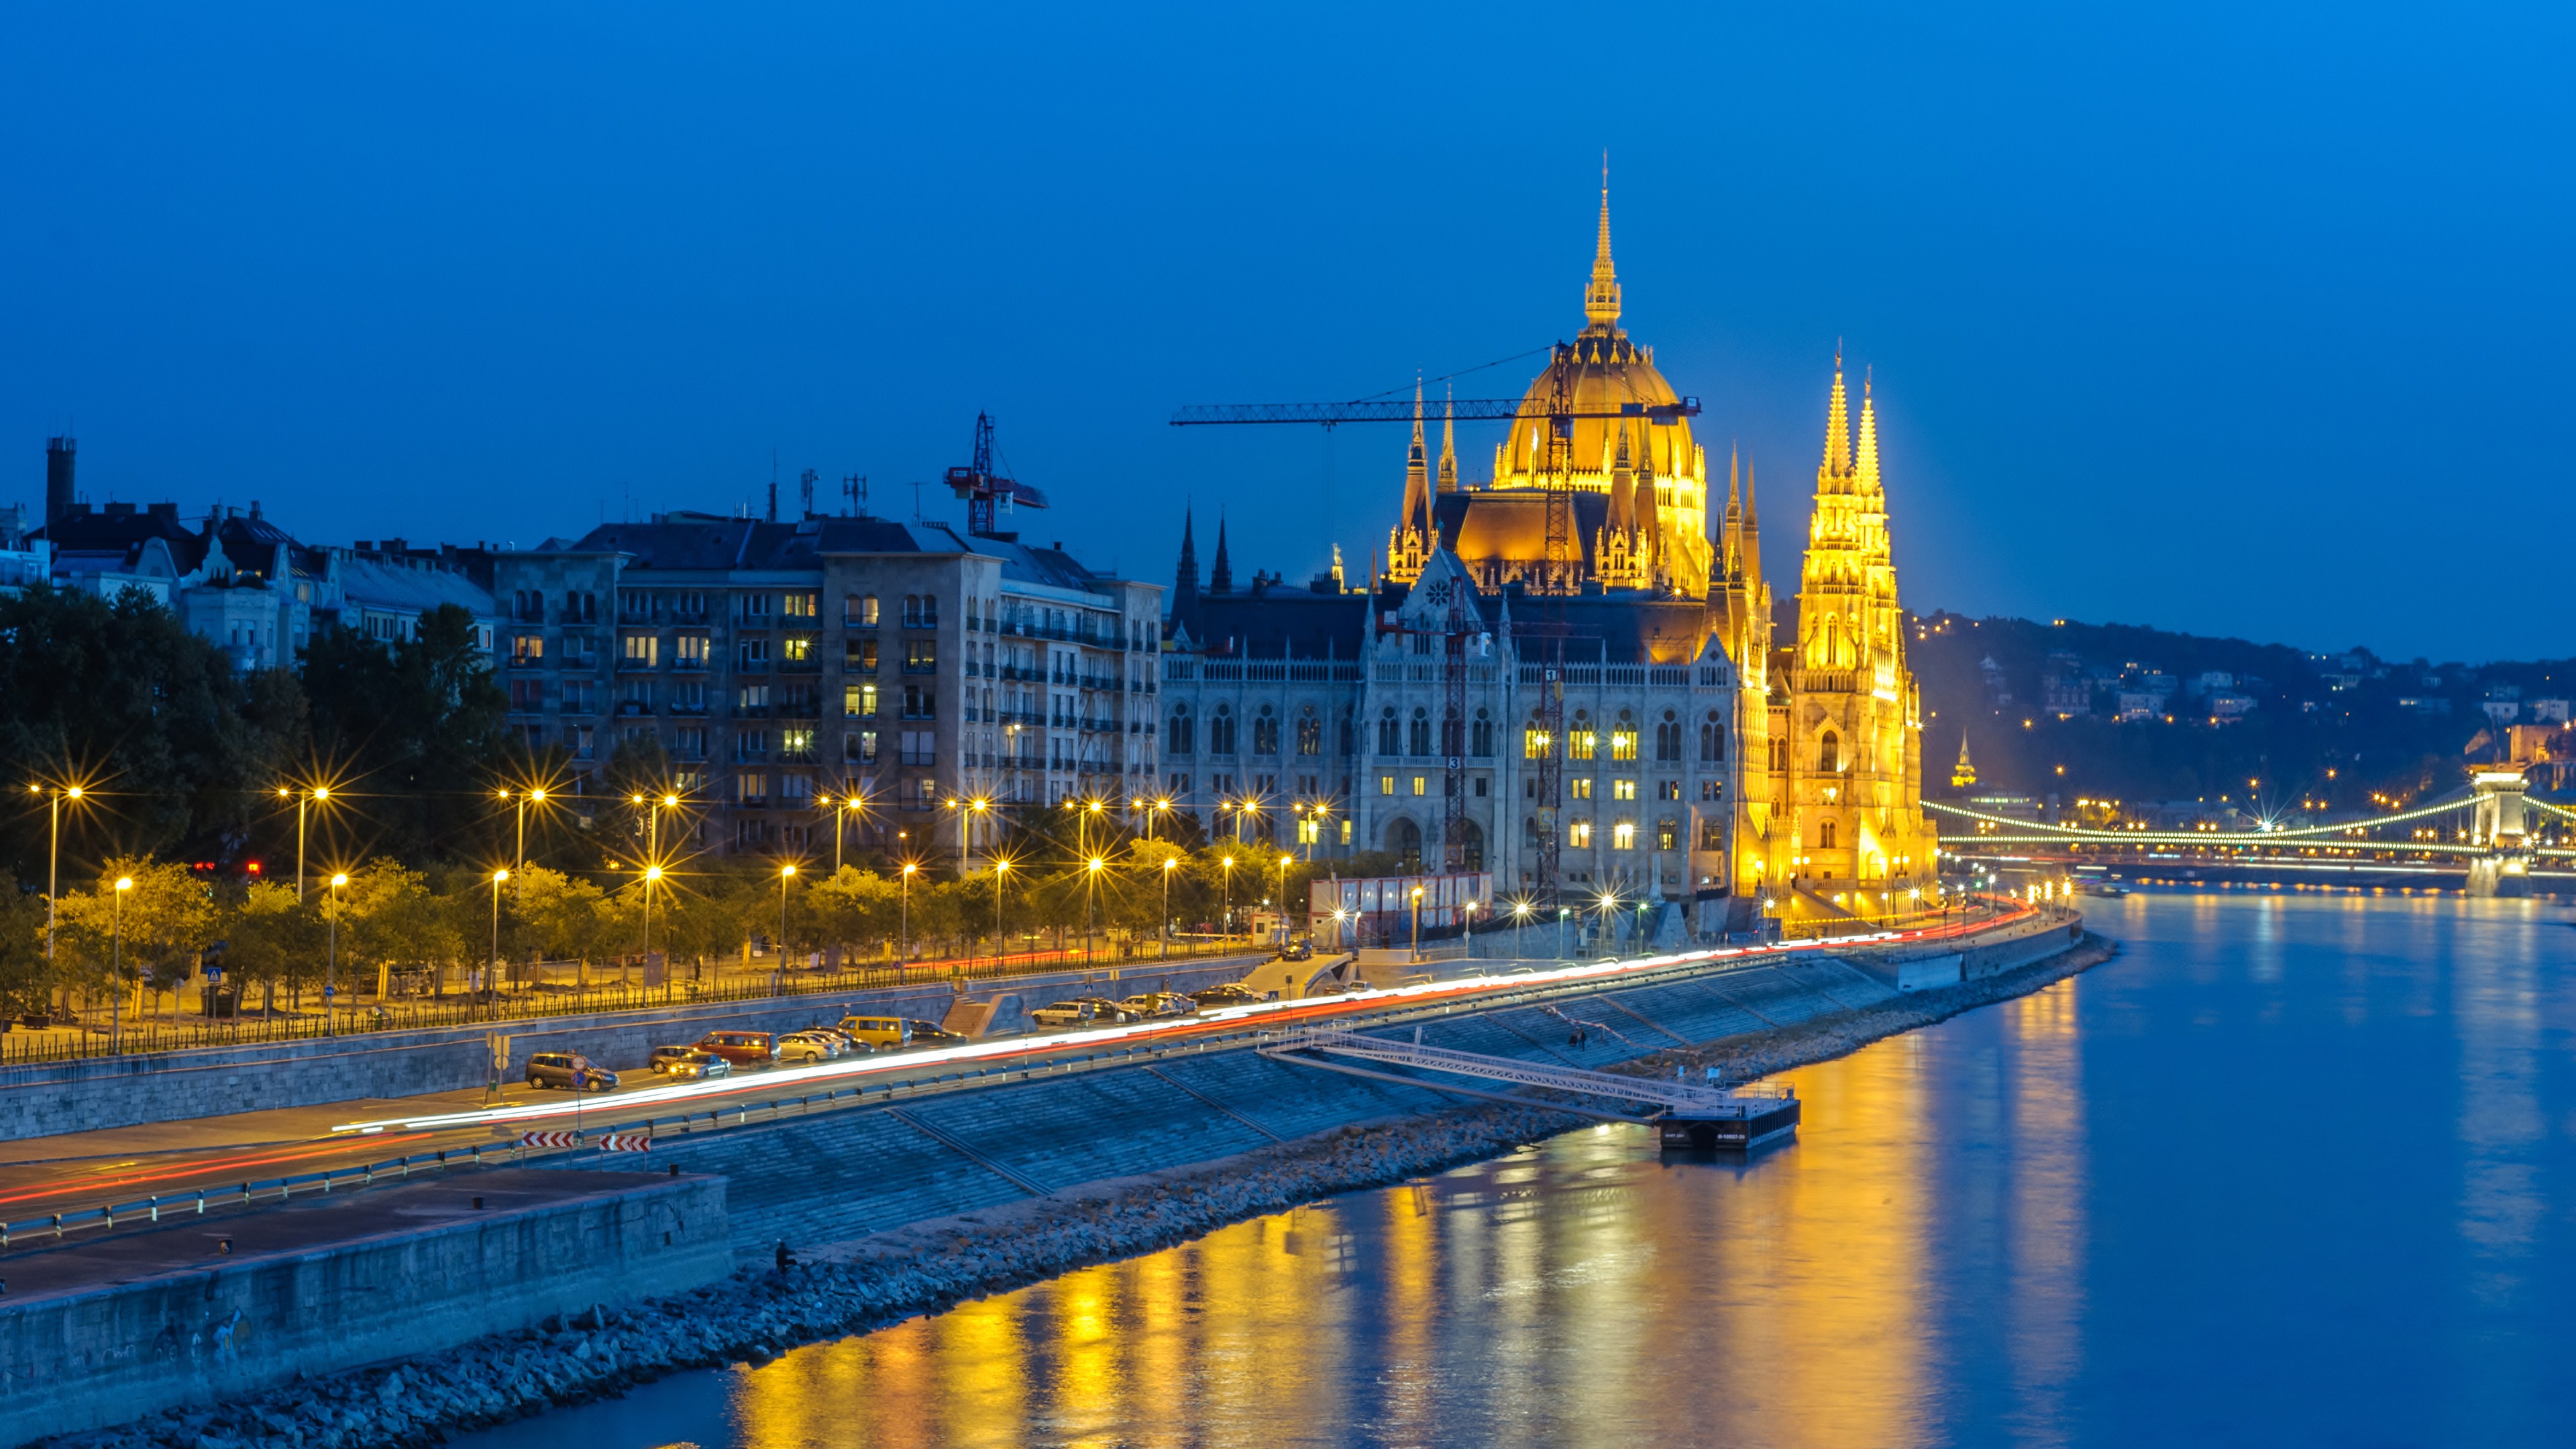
{"x":1690,"y":1115}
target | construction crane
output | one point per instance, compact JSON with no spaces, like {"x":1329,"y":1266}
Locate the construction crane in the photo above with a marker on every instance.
{"x":983,"y":490}
{"x":1401,"y":410}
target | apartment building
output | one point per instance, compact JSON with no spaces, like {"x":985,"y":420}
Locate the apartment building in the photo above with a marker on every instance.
{"x":767,"y":666}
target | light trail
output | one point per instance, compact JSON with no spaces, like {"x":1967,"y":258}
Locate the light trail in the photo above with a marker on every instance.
{"x":2078,"y":833}
{"x":1000,"y":1049}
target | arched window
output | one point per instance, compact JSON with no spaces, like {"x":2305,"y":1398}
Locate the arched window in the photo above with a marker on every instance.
{"x":1825,"y":836}
{"x":1221,"y":731}
{"x":1481,"y":736}
{"x":1177,"y":733}
{"x":1829,"y":752}
{"x":1668,"y":737}
{"x":1404,"y":839}
{"x":1310,"y":732}
{"x":1350,"y":733}
{"x":1265,"y":733}
{"x":1419,"y":737}
{"x":1472,"y":851}
{"x":1453,"y":734}
{"x":1712,"y":738}
{"x":1529,"y":832}
{"x":1390,"y":735}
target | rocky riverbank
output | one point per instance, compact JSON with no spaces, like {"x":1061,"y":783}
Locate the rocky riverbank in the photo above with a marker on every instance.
{"x":926,"y":1267}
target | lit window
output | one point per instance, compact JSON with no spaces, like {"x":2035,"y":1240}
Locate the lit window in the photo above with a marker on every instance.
{"x":1386,"y":784}
{"x":1623,"y":836}
{"x":1623,"y":743}
{"x":859,"y":701}
{"x":796,"y":648}
{"x":1534,"y":744}
{"x":642,"y":650}
{"x":1623,"y":789}
{"x":1417,"y":785}
{"x":1585,"y":742}
{"x":1578,"y":789}
{"x":1579,"y":835}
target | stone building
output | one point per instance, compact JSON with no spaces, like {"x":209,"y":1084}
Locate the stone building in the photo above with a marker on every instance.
{"x":763,"y":668}
{"x":1565,"y":674}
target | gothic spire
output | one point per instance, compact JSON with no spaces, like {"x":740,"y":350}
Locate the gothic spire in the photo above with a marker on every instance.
{"x":1185,"y":583}
{"x":1601,"y":299}
{"x":1868,"y":466}
{"x":1838,"y":424}
{"x":1220,"y":573}
{"x":1449,"y":442}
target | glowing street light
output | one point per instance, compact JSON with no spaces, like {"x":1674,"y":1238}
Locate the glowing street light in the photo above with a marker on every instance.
{"x":116,"y":969}
{"x":331,"y":962}
{"x":786,"y":873}
{"x":903,"y":921}
{"x":313,"y":795}
{"x":54,"y":852}
{"x":493,"y":971}
{"x":1169,"y":863}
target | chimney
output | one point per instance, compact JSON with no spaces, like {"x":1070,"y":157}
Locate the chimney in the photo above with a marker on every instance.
{"x":58,"y":477}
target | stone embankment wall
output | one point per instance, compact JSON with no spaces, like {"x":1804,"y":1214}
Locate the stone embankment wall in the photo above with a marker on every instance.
{"x":101,"y":1332}
{"x":1005,"y":1239}
{"x":85,"y":1096}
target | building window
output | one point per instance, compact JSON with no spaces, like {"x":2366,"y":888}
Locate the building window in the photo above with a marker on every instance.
{"x":527,"y":695}
{"x":1310,"y":733}
{"x":527,"y":651}
{"x":1623,"y":789}
{"x":859,"y":655}
{"x":689,"y":651}
{"x":1829,"y":752}
{"x":921,"y":656}
{"x":1712,"y":832}
{"x":796,"y":649}
{"x":752,"y":700}
{"x":801,"y":607}
{"x":859,"y":701}
{"x":1221,"y":731}
{"x":1480,"y":736}
{"x":751,"y":790}
{"x":1668,"y":737}
{"x":1578,"y":834}
{"x":921,"y":611}
{"x":1578,"y":789}
{"x":1390,"y":736}
{"x":754,"y":609}
{"x":1585,"y":743}
{"x":1265,"y":733}
{"x":796,"y":745}
{"x":1712,"y":739}
{"x":752,"y":654}
{"x":1712,"y":789}
{"x":795,"y":792}
{"x":1668,"y":789}
{"x":859,"y":611}
{"x":1177,"y":732}
{"x":1668,"y":833}
{"x":689,"y":742}
{"x":920,"y":747}
{"x":1825,"y":835}
{"x":1623,"y":835}
{"x":1418,"y":786}
{"x":920,"y":703}
{"x":1623,"y":742}
{"x":1418,"y":732}
{"x":1386,"y":784}
{"x":1535,"y":744}
{"x":585,"y":742}
{"x":640,"y":651}
{"x":751,"y":745}
{"x":860,"y":747}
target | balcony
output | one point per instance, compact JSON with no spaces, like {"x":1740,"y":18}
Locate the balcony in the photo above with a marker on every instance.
{"x":698,"y":709}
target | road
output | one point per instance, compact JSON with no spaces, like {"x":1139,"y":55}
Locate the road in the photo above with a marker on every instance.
{"x":60,"y":1174}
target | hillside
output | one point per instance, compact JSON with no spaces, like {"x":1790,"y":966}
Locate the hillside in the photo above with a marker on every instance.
{"x":2141,"y":715}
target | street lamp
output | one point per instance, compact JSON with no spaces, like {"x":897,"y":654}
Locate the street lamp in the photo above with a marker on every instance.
{"x":1169,"y":862}
{"x":54,"y":853}
{"x":1520,"y":919}
{"x":1225,"y":908}
{"x":331,"y":962}
{"x":116,"y":970}
{"x":1469,"y":916}
{"x":652,"y":873}
{"x":841,"y":818}
{"x":312,"y":796}
{"x":1090,"y":889}
{"x":534,"y":795}
{"x":1285,"y":861}
{"x":1417,"y":923}
{"x":903,"y":920}
{"x":786,"y":873}
{"x":1001,"y":939}
{"x":494,"y":969}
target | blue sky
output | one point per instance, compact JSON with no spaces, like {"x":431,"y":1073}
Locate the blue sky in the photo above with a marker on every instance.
{"x":2228,"y":318}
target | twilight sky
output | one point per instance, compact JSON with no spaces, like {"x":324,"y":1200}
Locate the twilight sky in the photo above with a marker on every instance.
{"x":2223,"y":317}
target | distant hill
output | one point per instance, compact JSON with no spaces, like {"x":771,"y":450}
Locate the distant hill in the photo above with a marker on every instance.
{"x":2138,"y":714}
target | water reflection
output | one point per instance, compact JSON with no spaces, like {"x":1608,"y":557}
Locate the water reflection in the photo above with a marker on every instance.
{"x":2283,"y":1173}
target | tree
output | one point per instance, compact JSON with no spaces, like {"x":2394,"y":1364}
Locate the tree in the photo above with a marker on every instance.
{"x":272,"y":939}
{"x":149,"y":935}
{"x":120,"y":698}
{"x":389,"y":918}
{"x":420,"y":724}
{"x":854,"y":907}
{"x":27,"y":979}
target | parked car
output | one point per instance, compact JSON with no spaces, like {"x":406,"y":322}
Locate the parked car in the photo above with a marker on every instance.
{"x":807,"y":1047}
{"x":1159,"y":1003}
{"x":1104,"y":1010}
{"x":1299,"y":951}
{"x":923,"y":1033}
{"x":1062,"y":1013}
{"x":687,"y":1064}
{"x":568,"y":1069}
{"x":888,"y":1032}
{"x":850,"y":1046}
{"x":1227,"y":995}
{"x":742,"y":1048}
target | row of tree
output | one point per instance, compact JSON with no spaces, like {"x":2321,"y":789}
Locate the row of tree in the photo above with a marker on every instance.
{"x":392,"y":920}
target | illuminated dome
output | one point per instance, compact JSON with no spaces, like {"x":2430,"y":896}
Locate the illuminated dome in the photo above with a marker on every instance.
{"x":1602,"y":371}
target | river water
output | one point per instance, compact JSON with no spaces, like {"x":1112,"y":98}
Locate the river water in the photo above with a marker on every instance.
{"x":2296,"y":1169}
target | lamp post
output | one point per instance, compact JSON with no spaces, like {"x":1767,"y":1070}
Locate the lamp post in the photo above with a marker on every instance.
{"x":1225,"y":907}
{"x":786,"y":873}
{"x":840,"y":819}
{"x":54,"y":854}
{"x":519,"y":858}
{"x":1520,"y":919}
{"x":303,"y":798}
{"x":1169,"y":862}
{"x":116,"y":970}
{"x":1090,"y":889}
{"x":652,"y":873}
{"x":1417,"y":923}
{"x":903,"y":920}
{"x":1001,"y":938}
{"x":494,"y":968}
{"x":1285,"y":860}
{"x":331,"y":962}
{"x":1468,"y":915}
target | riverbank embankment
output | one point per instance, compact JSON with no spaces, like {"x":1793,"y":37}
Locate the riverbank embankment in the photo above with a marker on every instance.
{"x":860,"y":1281}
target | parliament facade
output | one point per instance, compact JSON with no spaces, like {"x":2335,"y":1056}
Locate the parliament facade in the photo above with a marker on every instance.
{"x":1566,"y":674}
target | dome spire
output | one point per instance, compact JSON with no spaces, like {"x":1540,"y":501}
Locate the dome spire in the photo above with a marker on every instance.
{"x":1449,"y":441}
{"x":1601,"y":299}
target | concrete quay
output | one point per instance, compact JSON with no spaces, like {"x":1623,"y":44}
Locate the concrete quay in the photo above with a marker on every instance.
{"x":232,"y":1305}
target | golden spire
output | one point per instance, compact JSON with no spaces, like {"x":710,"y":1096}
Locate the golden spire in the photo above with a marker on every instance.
{"x":1601,"y":299}
{"x":1868,"y":466}
{"x":1449,"y":442}
{"x":1838,"y":423}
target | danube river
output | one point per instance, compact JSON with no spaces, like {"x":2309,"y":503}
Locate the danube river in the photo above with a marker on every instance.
{"x":2296,"y":1169}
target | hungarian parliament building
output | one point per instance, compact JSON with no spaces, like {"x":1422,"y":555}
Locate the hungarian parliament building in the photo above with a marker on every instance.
{"x":1566,"y":675}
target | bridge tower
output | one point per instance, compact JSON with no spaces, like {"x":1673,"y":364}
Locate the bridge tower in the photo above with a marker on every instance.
{"x":2502,"y":829}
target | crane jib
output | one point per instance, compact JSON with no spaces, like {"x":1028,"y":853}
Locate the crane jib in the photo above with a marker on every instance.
{"x":1402,"y":410}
